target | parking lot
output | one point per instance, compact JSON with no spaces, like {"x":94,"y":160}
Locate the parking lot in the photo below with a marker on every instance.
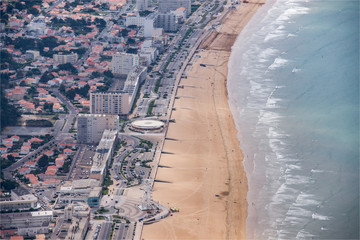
{"x":84,"y":163}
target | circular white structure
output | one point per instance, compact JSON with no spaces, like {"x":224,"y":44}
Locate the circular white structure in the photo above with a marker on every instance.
{"x":147,"y":124}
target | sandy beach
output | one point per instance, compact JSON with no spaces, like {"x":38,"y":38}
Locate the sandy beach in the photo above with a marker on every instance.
{"x":201,"y":171}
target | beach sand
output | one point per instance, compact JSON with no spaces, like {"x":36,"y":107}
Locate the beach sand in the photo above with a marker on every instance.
{"x":201,"y":170}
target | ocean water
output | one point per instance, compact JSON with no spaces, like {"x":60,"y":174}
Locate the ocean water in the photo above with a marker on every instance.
{"x":293,"y":87}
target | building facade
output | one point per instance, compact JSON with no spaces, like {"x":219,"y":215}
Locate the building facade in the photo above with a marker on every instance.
{"x":65,"y":58}
{"x":166,"y":6}
{"x":91,"y":126}
{"x":122,"y":63}
{"x":24,"y":202}
{"x":134,"y":19}
{"x":104,"y":152}
{"x":167,"y":21}
{"x":110,"y":103}
{"x":142,"y":5}
{"x":32,"y":54}
{"x":148,"y":27}
{"x":27,"y":223}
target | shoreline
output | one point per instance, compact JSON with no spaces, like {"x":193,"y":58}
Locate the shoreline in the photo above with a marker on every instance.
{"x":202,"y":172}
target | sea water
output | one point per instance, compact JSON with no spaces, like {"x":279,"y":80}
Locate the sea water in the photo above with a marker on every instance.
{"x":293,"y":87}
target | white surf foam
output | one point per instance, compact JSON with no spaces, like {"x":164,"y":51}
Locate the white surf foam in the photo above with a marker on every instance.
{"x":320,"y":217}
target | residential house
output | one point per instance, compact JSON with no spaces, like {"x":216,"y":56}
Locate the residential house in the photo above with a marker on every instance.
{"x":8,"y":144}
{"x":25,"y":150}
{"x":15,"y":138}
{"x":24,"y":171}
{"x":49,"y":153}
{"x":3,"y":150}
{"x":68,"y":151}
{"x":30,"y":164}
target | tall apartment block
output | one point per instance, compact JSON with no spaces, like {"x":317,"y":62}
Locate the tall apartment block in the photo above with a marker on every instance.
{"x":167,"y":21}
{"x":118,"y":103}
{"x":122,"y":63}
{"x":110,"y":103}
{"x":142,"y":5}
{"x":104,"y":152}
{"x":91,"y":126}
{"x":166,"y":6}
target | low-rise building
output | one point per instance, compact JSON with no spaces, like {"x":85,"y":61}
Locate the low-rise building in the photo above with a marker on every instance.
{"x":25,"y":202}
{"x":65,"y":58}
{"x":32,"y":54}
{"x":27,"y":223}
{"x":80,"y":191}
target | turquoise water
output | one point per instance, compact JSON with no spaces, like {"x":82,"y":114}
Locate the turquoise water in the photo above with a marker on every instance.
{"x":294,"y":93}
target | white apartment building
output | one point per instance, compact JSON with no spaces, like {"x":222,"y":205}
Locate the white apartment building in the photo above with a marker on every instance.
{"x":25,"y":202}
{"x":166,"y":6}
{"x":32,"y":54}
{"x":104,"y":152}
{"x":167,"y":21}
{"x":122,"y":63}
{"x":65,"y":58}
{"x":91,"y":126}
{"x":149,"y":54}
{"x":27,"y":223}
{"x":148,"y":27}
{"x":119,"y":103}
{"x":110,"y":103}
{"x":134,"y":19}
{"x":133,"y":80}
{"x":142,"y":5}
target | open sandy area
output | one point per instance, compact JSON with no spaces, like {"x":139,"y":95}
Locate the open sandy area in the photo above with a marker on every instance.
{"x":201,"y":170}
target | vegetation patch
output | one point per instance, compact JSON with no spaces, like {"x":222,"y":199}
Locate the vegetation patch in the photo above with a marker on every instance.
{"x":38,"y":123}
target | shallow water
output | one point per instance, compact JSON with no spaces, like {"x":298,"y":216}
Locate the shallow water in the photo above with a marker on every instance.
{"x":294,"y":93}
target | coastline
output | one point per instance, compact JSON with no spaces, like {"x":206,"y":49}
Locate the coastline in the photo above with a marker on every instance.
{"x":202,"y":170}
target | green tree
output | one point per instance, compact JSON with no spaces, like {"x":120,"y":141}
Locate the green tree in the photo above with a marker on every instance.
{"x":108,"y":74}
{"x":9,"y":113}
{"x":43,"y":162}
{"x":84,"y":90}
{"x":68,"y":67}
{"x":131,"y":41}
{"x":48,"y":107}
{"x":8,"y":185}
{"x":46,"y":77}
{"x":33,"y":11}
{"x":95,"y":74}
{"x":50,"y":42}
{"x":124,"y":32}
{"x":70,"y":94}
{"x":32,"y":90}
{"x":62,"y":88}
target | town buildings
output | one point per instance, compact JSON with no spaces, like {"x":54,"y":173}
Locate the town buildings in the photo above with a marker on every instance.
{"x":27,"y":223}
{"x":65,"y":58}
{"x":167,"y":21}
{"x":32,"y":54}
{"x":91,"y":126}
{"x":119,"y":103}
{"x":122,"y":63}
{"x":143,"y":5}
{"x":166,"y":6}
{"x":86,"y":191}
{"x":104,"y":152}
{"x":110,"y":103}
